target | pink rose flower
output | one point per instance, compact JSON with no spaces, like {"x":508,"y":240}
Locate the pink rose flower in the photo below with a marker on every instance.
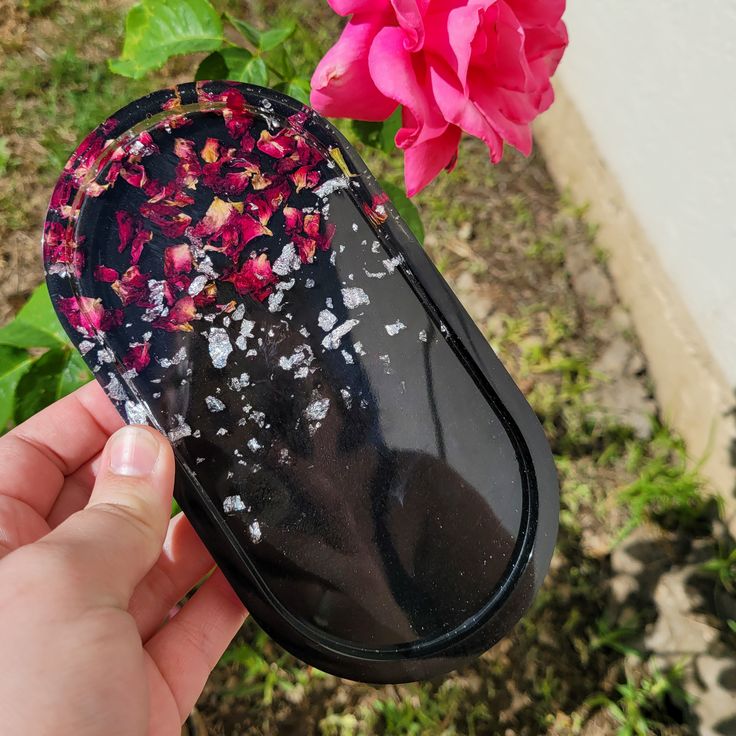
{"x":478,"y":66}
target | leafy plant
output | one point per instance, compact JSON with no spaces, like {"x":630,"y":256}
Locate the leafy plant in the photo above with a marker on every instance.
{"x":667,"y":490}
{"x":641,"y":702}
{"x":723,"y":567}
{"x":38,"y":364}
{"x":157,"y":30}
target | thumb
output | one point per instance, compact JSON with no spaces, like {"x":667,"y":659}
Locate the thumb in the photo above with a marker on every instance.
{"x":116,"y":539}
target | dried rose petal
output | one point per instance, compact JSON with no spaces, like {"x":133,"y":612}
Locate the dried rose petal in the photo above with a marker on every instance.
{"x":169,"y":219}
{"x":207,"y":296}
{"x":277,"y":146}
{"x":211,"y":150}
{"x":179,"y":316}
{"x":263,"y":204}
{"x":138,"y":357}
{"x":255,"y":277}
{"x":305,"y":178}
{"x":88,"y":315}
{"x":106,"y":275}
{"x":132,"y":288}
{"x":177,"y":260}
{"x":131,"y":233}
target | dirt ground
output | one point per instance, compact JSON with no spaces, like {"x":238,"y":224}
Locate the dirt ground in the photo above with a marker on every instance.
{"x":523,"y":260}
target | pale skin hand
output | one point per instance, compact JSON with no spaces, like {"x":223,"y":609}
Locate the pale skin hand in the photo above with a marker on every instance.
{"x":89,"y":569}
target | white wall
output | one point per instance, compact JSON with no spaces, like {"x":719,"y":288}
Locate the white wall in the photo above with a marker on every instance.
{"x":655,"y":82}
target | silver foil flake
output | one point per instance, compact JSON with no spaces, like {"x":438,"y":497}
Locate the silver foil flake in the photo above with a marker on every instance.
{"x":254,"y":530}
{"x":284,"y":457}
{"x":115,"y":390}
{"x":346,"y":397}
{"x":354,"y":297}
{"x":288,"y":261}
{"x":180,"y":355}
{"x":374,"y":274}
{"x":85,"y":346}
{"x":156,"y":295}
{"x":390,"y":264}
{"x":423,"y":335}
{"x":221,"y":432}
{"x":326,"y":320}
{"x":274,"y":301}
{"x":246,"y":331}
{"x":239,"y":312}
{"x":304,"y":332}
{"x":332,"y":341}
{"x":213,"y":403}
{"x":198,"y":283}
{"x":220,"y":347}
{"x":331,"y":185}
{"x":395,"y":328}
{"x":347,"y":357}
{"x":232,"y":504}
{"x":333,"y":257}
{"x":136,"y":412}
{"x":180,"y":431}
{"x":375,"y":246}
{"x":358,"y":347}
{"x":254,"y":445}
{"x":302,"y":372}
{"x":299,"y":355}
{"x":328,"y":303}
{"x":309,"y":284}
{"x":258,"y":417}
{"x":355,"y":227}
{"x":286,"y":285}
{"x":239,"y":382}
{"x":317,"y":410}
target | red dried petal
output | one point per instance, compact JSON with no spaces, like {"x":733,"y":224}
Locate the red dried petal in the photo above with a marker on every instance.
{"x":138,"y":357}
{"x":179,"y":316}
{"x":106,"y":275}
{"x":87,"y":315}
{"x":254,"y":278}
{"x":277,"y":146}
{"x":169,"y":219}
{"x":132,"y":288}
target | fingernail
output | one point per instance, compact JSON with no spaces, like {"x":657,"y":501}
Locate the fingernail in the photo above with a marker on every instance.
{"x":133,"y":452}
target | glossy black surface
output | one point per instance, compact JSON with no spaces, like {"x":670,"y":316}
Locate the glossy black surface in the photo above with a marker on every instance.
{"x":381,"y":497}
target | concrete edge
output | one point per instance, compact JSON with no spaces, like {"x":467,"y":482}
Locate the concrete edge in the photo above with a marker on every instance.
{"x":693,"y":394}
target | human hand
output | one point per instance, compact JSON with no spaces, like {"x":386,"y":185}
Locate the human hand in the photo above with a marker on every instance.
{"x":90,"y":568}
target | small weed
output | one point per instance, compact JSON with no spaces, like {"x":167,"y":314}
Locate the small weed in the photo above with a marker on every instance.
{"x":642,"y":703}
{"x":667,"y":491}
{"x":723,"y":567}
{"x":264,"y":670}
{"x":4,"y":155}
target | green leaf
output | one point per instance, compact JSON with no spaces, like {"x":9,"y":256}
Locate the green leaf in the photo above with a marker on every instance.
{"x":407,"y":209}
{"x":75,"y":375}
{"x":36,"y":325}
{"x":212,"y":67}
{"x":367,"y":132}
{"x":379,"y":135}
{"x":275,"y":37}
{"x":263,"y":40}
{"x":13,"y":364}
{"x":231,"y":63}
{"x":389,"y":129}
{"x":249,"y":32}
{"x":156,"y":30}
{"x":42,"y":383}
{"x":299,"y":89}
{"x":280,"y":60}
{"x":254,"y":72}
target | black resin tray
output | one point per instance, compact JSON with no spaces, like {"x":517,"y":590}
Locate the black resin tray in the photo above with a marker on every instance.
{"x":349,"y":448}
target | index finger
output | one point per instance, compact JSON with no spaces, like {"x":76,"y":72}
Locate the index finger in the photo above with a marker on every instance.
{"x":37,"y":455}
